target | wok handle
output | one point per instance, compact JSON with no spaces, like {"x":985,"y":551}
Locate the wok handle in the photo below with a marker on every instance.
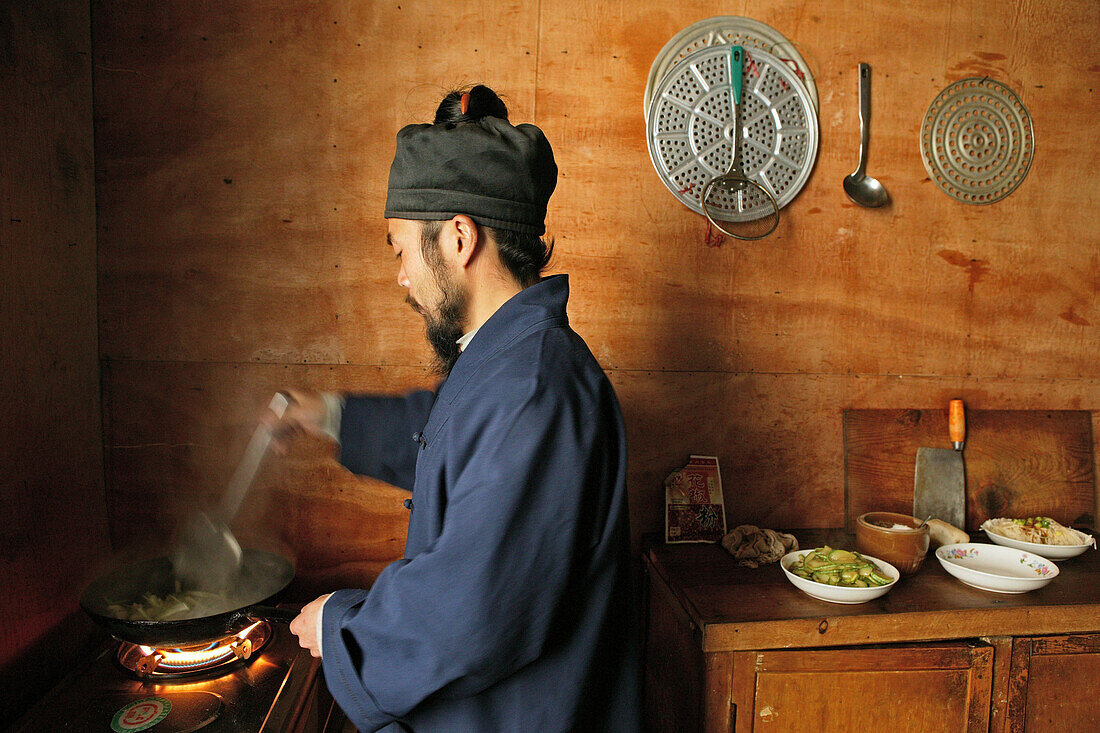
{"x":270,"y":613}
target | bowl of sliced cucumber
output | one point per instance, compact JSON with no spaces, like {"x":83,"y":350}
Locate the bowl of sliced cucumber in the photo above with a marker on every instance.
{"x":839,"y":576}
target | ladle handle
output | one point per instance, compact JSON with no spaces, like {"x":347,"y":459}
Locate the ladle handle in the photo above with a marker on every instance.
{"x":737,"y":65}
{"x":864,"y":117}
{"x":737,"y":71}
{"x":242,"y":478}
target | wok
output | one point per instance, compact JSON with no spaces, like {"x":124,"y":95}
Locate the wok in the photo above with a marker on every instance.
{"x":263,"y":575}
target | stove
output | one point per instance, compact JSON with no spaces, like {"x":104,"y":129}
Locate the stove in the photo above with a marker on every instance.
{"x":259,"y":681}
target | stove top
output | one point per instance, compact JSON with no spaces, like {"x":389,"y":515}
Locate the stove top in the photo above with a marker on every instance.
{"x":277,"y":689}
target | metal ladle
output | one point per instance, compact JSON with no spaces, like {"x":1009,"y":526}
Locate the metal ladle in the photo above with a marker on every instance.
{"x":860,"y":187}
{"x":208,"y":556}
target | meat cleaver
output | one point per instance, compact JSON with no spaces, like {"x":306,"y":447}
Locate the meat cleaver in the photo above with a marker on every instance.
{"x":939,"y":483}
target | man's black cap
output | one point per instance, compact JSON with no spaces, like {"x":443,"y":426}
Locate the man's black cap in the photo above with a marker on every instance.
{"x":499,"y":175}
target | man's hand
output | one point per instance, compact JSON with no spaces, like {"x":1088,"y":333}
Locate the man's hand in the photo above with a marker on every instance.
{"x":305,"y":626}
{"x":304,"y":416}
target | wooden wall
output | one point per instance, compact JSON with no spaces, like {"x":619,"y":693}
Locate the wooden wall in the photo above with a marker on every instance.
{"x":53,"y":514}
{"x":241,"y":160}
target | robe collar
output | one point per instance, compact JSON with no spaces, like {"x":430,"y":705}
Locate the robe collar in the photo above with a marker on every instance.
{"x":541,"y":305}
{"x":537,"y":307}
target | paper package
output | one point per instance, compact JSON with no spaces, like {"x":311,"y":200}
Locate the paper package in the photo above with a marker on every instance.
{"x":694,"y":510}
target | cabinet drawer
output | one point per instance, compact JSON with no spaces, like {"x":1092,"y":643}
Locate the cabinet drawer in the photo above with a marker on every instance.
{"x":931,"y":687}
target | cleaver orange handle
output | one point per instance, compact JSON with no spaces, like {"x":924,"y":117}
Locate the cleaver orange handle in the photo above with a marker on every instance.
{"x":956,"y":423}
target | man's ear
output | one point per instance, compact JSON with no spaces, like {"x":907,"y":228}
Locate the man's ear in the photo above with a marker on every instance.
{"x":467,"y":239}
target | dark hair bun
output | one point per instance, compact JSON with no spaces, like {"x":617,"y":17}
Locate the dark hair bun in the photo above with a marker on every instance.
{"x":483,"y":102}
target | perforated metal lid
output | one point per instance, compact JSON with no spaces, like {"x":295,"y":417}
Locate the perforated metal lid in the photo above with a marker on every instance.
{"x":729,"y":30}
{"x":690,"y":126}
{"x":977,"y":141}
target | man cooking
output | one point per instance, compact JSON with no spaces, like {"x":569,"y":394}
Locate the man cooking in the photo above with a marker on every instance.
{"x":512,"y":609}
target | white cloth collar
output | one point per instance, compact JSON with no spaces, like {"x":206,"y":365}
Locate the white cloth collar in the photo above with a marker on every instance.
{"x":464,"y":340}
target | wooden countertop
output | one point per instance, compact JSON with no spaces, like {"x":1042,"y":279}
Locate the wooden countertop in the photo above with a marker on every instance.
{"x":738,"y":608}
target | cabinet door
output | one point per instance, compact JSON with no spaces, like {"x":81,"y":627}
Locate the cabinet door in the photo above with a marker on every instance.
{"x":932,"y":687}
{"x":1052,"y":684}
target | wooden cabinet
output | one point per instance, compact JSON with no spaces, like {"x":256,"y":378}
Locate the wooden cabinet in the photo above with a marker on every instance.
{"x":934,"y":687}
{"x":737,"y":649}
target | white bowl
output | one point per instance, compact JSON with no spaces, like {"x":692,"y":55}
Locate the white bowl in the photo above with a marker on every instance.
{"x":838,"y":593}
{"x":996,"y":568}
{"x":1051,"y":552}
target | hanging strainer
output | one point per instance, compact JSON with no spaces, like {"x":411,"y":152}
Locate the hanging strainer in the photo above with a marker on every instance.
{"x":690,"y":126}
{"x":976,"y":141}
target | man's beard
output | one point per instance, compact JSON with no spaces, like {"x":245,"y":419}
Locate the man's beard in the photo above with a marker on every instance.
{"x":444,"y":326}
{"x":443,"y":329}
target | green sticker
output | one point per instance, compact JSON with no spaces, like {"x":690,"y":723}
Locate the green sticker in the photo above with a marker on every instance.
{"x":141,"y":714}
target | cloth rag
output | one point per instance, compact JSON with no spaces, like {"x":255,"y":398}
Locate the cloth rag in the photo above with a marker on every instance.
{"x":753,"y":546}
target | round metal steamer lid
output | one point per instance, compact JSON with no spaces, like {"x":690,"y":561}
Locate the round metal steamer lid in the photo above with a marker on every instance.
{"x":977,"y":141}
{"x":727,"y":30}
{"x":690,"y":126}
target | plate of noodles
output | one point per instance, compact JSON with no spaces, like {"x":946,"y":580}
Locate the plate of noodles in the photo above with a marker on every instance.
{"x":1039,"y":535}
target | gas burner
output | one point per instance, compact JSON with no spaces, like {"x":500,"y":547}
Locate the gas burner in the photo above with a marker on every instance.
{"x":279,"y":691}
{"x":146,"y":662}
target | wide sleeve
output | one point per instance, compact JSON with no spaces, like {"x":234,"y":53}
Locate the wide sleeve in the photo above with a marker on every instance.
{"x":480,"y":602}
{"x":377,"y":435}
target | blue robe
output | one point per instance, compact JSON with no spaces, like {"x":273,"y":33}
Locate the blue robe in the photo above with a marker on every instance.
{"x":513,"y":608}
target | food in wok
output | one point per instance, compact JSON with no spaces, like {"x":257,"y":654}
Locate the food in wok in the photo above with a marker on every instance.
{"x":176,"y":605}
{"x":209,"y":615}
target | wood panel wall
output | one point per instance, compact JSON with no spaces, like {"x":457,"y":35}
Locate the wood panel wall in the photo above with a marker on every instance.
{"x":53,"y":513}
{"x":241,"y":159}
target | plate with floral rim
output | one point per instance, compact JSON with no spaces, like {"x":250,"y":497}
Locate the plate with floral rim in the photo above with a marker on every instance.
{"x":996,"y":568}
